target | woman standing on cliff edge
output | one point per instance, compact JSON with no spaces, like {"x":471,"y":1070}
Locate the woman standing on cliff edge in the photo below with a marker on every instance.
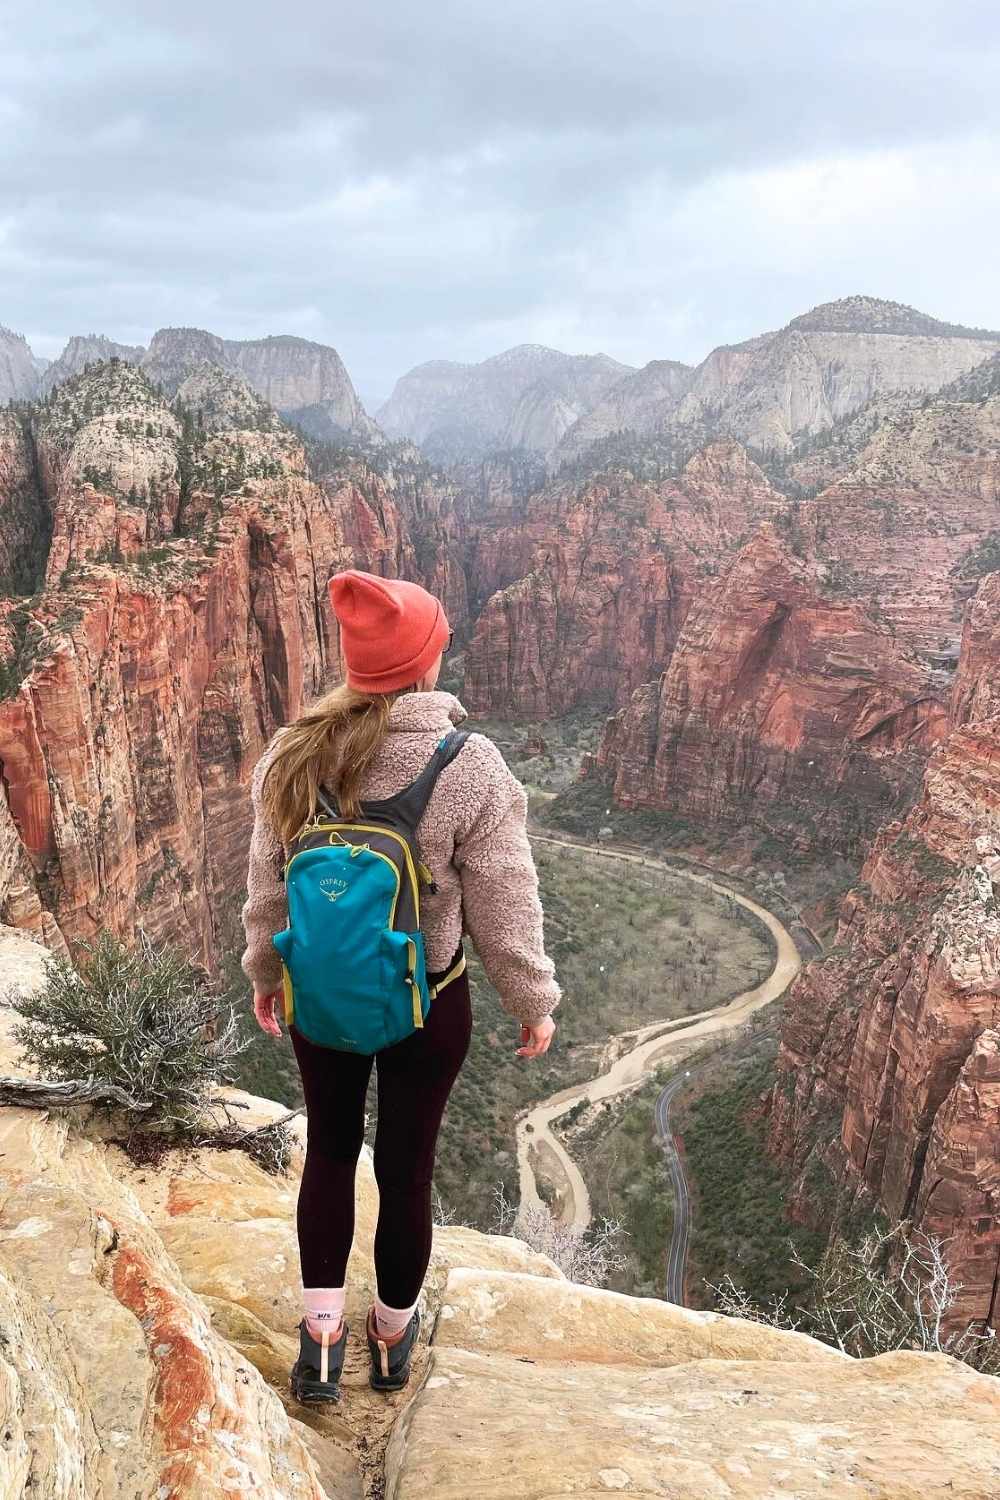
{"x":369,"y":738}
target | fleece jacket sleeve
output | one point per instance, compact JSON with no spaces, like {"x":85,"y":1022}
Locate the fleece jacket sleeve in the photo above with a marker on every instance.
{"x":265,"y":910}
{"x":501,"y":908}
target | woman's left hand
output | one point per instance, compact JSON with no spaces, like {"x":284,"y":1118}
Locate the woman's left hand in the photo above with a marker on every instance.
{"x":537,"y":1038}
{"x":265,"y":1008}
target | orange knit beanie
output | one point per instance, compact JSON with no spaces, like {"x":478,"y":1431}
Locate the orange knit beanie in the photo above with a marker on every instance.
{"x":391,"y":631}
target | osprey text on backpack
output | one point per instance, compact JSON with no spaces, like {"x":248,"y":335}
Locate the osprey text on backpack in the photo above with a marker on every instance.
{"x":353,"y":967}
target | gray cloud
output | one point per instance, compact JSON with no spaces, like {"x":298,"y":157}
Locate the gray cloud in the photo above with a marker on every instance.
{"x":410,"y":182}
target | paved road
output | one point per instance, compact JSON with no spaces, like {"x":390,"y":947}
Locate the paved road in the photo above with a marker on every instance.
{"x":678,"y":1250}
{"x":651,"y":1044}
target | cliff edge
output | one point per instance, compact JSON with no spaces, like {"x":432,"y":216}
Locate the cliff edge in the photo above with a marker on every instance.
{"x":148,"y":1317}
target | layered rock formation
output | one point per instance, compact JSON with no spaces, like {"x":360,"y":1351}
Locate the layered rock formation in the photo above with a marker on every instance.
{"x":637,"y":403}
{"x":918,"y":499}
{"x":826,"y":364}
{"x":146,"y":1354}
{"x":782,"y":706}
{"x":183,"y":616}
{"x":976,"y":692}
{"x":907,"y":513}
{"x":25,"y":526}
{"x":524,"y":398}
{"x":887,"y":1077}
{"x":293,"y":375}
{"x":20,"y":371}
{"x":800,"y":380}
{"x":605,"y":576}
{"x":299,"y":378}
{"x":83,"y":350}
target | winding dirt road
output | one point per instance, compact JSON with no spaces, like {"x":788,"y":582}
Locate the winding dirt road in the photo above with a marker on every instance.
{"x":651,"y":1044}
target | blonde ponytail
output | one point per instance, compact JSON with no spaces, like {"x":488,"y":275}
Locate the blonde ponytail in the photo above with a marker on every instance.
{"x":332,"y":744}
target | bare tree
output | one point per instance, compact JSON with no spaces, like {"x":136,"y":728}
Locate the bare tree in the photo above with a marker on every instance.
{"x":590,"y":1256}
{"x":892,"y":1290}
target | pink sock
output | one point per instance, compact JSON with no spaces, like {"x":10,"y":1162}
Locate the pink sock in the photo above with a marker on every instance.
{"x":324,"y":1308}
{"x":391,"y":1320}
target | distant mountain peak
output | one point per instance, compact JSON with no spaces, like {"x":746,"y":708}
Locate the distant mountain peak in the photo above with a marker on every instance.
{"x":525,"y":397}
{"x":860,"y":314}
{"x":83,"y":349}
{"x":19,"y":369}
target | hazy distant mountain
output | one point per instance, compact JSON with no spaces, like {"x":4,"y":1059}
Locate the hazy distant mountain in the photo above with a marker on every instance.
{"x":20,"y":371}
{"x":801,"y":379}
{"x":825,"y":364}
{"x":635,"y":404}
{"x":296,"y":376}
{"x":875,"y":315}
{"x":524,"y":398}
{"x":305,"y":381}
{"x":86,"y":349}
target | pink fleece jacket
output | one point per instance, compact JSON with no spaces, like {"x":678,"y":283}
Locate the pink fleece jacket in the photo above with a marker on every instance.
{"x":472,"y":835}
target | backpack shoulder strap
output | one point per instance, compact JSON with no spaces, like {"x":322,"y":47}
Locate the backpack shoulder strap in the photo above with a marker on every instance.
{"x":407,"y":806}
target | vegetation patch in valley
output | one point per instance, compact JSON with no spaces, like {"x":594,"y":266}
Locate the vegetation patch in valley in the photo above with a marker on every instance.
{"x":617,"y":1149}
{"x":739,"y":1224}
{"x":981,"y":559}
{"x":796,"y":885}
{"x":546,"y":756}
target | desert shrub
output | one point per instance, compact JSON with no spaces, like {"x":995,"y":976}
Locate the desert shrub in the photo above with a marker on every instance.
{"x":143,"y":1020}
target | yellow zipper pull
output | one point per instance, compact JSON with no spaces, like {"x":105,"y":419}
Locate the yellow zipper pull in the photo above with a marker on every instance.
{"x":411,"y":979}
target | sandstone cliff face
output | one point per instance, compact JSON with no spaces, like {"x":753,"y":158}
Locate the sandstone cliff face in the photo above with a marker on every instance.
{"x":24,"y":525}
{"x":919,"y":498}
{"x":782,"y":706}
{"x":801,"y":380}
{"x":291,"y":374}
{"x":887,"y":1073}
{"x":826,"y":364}
{"x":83,"y":350}
{"x":147,"y":1355}
{"x":891,"y":533}
{"x":524,"y":398}
{"x":605,"y":578}
{"x":20,"y":371}
{"x":908,"y":493}
{"x":183,"y":616}
{"x":637,"y":403}
{"x":961,"y":1176}
{"x":976,"y":693}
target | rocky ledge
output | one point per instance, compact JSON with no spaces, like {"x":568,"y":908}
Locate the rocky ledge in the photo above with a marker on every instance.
{"x":148,"y":1319}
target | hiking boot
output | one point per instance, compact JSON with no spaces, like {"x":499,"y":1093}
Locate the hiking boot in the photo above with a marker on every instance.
{"x":391,"y":1362}
{"x":315,"y":1376}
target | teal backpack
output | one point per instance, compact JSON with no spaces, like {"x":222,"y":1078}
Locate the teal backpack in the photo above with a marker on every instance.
{"x":353,"y":968}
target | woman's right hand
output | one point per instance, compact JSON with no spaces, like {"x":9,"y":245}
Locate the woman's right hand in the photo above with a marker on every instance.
{"x":265,"y":1008}
{"x":538,"y":1038}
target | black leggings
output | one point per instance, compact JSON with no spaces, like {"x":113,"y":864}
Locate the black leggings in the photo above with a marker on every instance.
{"x":414,"y":1079}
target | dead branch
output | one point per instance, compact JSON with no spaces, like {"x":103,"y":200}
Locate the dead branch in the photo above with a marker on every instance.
{"x":41,"y":1093}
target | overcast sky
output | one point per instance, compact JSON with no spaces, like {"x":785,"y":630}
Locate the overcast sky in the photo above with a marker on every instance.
{"x":412,"y":181}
